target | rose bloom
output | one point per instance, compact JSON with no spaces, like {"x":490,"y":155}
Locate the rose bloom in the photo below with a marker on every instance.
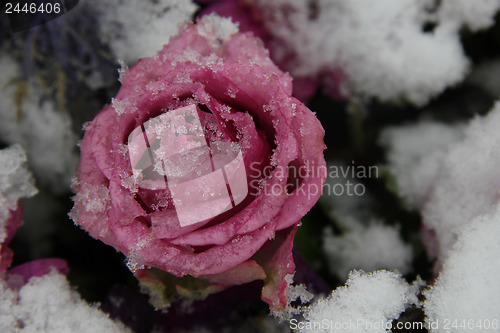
{"x":183,"y":172}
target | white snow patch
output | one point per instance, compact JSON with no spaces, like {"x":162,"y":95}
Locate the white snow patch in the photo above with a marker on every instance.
{"x":372,"y":247}
{"x":415,"y":153}
{"x":476,"y":15}
{"x":364,"y":243}
{"x":465,"y":177}
{"x":380,"y":45}
{"x":467,"y":288}
{"x":49,"y":304}
{"x":374,"y":298}
{"x":139,"y":29}
{"x":214,"y":27}
{"x":15,"y":182}
{"x":44,"y":132}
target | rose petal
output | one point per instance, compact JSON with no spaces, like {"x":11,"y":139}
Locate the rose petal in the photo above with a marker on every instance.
{"x":245,"y":272}
{"x":277,"y":261}
{"x":39,"y":268}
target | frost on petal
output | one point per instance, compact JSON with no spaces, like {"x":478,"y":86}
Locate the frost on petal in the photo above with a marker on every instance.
{"x":49,"y":304}
{"x":377,"y":297}
{"x":467,"y":286}
{"x":138,"y":29}
{"x":27,"y":118}
{"x":91,"y":210}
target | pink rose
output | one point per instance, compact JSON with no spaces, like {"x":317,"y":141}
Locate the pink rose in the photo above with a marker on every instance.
{"x":204,"y":164}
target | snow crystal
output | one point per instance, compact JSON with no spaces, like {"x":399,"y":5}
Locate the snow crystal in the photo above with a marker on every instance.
{"x":138,"y":29}
{"x":15,"y":182}
{"x":381,"y":46}
{"x":122,"y":106}
{"x":49,"y":304}
{"x":94,"y":199}
{"x":35,"y":123}
{"x":467,"y":287}
{"x":122,"y":70}
{"x":461,"y":176}
{"x":295,"y":294}
{"x":370,"y":301}
{"x":215,"y":27}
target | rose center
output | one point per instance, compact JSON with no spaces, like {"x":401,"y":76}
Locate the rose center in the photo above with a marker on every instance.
{"x":171,"y":155}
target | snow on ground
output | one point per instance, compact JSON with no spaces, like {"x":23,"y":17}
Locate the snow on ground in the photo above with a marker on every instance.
{"x":467,"y":287}
{"x":49,"y":304}
{"x":364,"y":242}
{"x":28,"y":118}
{"x":415,"y":154}
{"x":455,"y":175}
{"x":381,"y":46}
{"x":459,"y":197}
{"x":139,"y":29}
{"x":15,"y":182}
{"x":367,"y":303}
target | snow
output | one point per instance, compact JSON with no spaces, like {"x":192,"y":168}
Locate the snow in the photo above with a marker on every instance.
{"x":450,"y":173}
{"x":215,"y":27}
{"x":35,"y":123}
{"x":476,"y":15}
{"x":138,"y":29}
{"x":15,"y":182}
{"x":415,"y":154}
{"x":371,"y":247}
{"x":367,"y":303}
{"x":364,"y":242}
{"x":49,"y":304}
{"x":467,"y":286}
{"x":380,"y":46}
{"x":456,"y":179}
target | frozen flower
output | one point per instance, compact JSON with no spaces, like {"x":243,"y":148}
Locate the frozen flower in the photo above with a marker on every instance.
{"x":203,"y":164}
